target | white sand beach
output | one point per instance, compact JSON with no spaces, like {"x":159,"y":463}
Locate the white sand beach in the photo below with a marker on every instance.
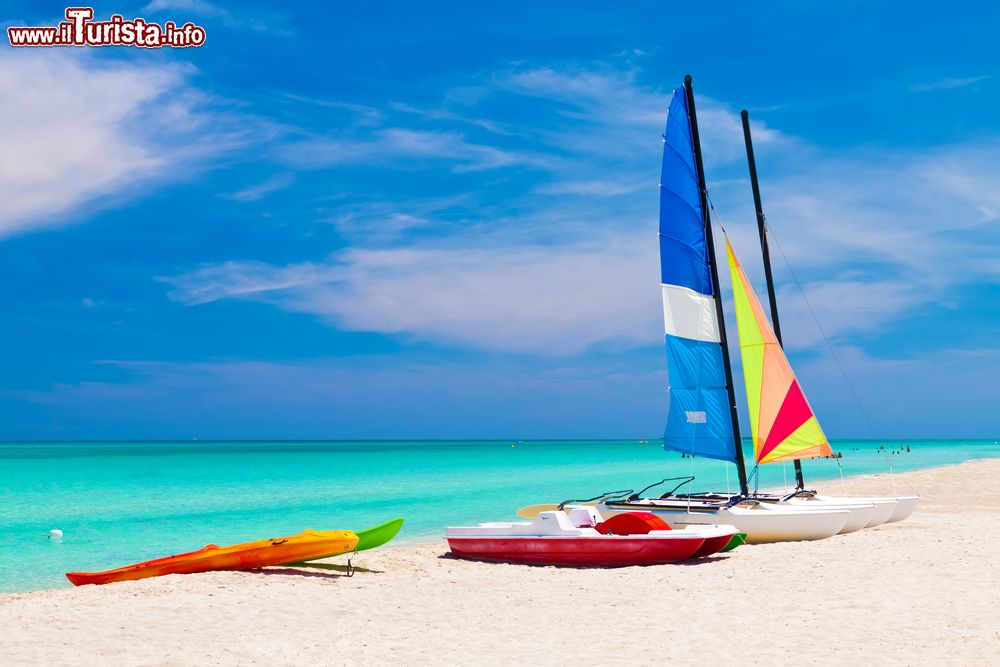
{"x":922,"y":592}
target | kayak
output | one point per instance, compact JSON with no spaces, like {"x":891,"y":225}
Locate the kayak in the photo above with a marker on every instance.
{"x":371,"y":537}
{"x":582,"y":537}
{"x":377,"y":536}
{"x":307,"y":545}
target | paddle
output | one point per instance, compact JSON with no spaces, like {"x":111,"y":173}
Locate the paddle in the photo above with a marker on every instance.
{"x":531,"y":511}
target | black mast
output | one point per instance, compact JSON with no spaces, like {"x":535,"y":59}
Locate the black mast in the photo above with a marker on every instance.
{"x":719,"y":315}
{"x":765,"y":250}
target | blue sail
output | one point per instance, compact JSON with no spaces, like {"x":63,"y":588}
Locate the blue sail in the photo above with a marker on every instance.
{"x":698,"y":419}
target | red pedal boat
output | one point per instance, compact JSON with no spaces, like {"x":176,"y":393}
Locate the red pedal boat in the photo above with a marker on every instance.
{"x":581,"y":537}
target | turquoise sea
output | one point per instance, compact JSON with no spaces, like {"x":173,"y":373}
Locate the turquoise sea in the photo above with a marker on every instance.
{"x":122,"y":502}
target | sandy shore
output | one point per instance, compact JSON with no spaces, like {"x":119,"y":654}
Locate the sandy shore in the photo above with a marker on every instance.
{"x":922,"y":592}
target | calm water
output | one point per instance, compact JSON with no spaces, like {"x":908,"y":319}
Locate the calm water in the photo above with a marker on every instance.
{"x":118,"y":503}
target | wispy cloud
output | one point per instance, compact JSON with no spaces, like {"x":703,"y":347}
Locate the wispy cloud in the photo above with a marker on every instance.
{"x":262,"y":189}
{"x":602,"y":188}
{"x":874,"y":237}
{"x":403,"y":148}
{"x":256,"y":21}
{"x":947,"y":84}
{"x":550,"y":300}
{"x":569,"y":264}
{"x":90,"y":131}
{"x":619,"y":113}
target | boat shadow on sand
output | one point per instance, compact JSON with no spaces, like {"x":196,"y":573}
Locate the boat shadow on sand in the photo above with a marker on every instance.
{"x":322,"y":570}
{"x":706,"y":560}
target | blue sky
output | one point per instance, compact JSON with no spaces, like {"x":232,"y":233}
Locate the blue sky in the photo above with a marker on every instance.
{"x":404,"y":221}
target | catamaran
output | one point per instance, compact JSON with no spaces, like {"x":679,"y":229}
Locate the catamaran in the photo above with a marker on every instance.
{"x":702,"y":419}
{"x":765,"y":365}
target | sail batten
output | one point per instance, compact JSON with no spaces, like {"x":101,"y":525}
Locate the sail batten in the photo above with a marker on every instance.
{"x":783,"y":424}
{"x":698,"y":419}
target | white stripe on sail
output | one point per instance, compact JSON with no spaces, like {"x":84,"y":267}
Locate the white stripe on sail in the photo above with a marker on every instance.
{"x":689,"y":315}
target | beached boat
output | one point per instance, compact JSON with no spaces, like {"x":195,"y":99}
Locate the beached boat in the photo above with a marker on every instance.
{"x":581,"y":536}
{"x":307,"y":545}
{"x":701,"y":417}
{"x":765,"y":365}
{"x":783,"y":424}
{"x":762,"y":522}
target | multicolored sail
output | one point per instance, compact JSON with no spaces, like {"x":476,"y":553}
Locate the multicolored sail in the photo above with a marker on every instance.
{"x":784,"y":426}
{"x":698,"y":420}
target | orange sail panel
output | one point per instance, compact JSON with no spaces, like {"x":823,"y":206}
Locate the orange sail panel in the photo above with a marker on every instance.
{"x":784,"y":426}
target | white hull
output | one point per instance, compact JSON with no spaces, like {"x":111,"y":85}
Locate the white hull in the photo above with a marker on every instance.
{"x":762,"y":522}
{"x":893,"y":508}
{"x":904,"y":508}
{"x":862,"y":513}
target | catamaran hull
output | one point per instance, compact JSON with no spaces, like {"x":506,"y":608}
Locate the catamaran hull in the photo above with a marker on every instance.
{"x":904,"y":508}
{"x":889,"y":508}
{"x":762,"y":524}
{"x":862,"y":513}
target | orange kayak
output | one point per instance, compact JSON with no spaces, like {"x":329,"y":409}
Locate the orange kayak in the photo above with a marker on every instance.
{"x":307,"y":545}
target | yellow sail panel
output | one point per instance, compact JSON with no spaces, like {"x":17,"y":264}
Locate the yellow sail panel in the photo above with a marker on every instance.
{"x":783,"y":425}
{"x":798,"y":445}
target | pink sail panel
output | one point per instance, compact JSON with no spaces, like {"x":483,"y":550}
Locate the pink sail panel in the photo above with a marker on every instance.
{"x":783,"y":424}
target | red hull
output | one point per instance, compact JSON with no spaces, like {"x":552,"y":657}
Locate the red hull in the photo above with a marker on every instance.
{"x":602,"y":551}
{"x":713,"y":545}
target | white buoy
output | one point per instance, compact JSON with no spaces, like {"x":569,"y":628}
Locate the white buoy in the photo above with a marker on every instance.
{"x":55,"y":533}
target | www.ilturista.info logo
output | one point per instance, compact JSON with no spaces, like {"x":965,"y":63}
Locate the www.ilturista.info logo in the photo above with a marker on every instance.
{"x":79,"y":29}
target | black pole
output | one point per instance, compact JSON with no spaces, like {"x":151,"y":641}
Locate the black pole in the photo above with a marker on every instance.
{"x":766,"y":251}
{"x":719,"y":315}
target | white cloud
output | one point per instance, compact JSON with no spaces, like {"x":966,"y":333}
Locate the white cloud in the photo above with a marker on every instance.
{"x":947,"y":84}
{"x":262,"y":189}
{"x":845,"y":307}
{"x":83,"y":131}
{"x":403,"y":148}
{"x":596,"y":188}
{"x":621,"y":115}
{"x":550,"y":300}
{"x":245,"y":20}
{"x":872,"y":236}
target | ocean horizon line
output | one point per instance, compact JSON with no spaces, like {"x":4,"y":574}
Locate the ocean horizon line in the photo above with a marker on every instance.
{"x":90,"y":441}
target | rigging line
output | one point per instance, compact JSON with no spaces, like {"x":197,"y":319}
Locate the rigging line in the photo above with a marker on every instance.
{"x":691,"y":471}
{"x":711,"y":205}
{"x":843,"y":482}
{"x":826,"y":339}
{"x":892,"y":473}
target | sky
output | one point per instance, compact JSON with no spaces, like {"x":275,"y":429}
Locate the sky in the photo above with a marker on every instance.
{"x":409,"y":220}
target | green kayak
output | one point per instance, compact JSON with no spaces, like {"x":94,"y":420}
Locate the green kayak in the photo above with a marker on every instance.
{"x":739,"y":539}
{"x":377,"y":536}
